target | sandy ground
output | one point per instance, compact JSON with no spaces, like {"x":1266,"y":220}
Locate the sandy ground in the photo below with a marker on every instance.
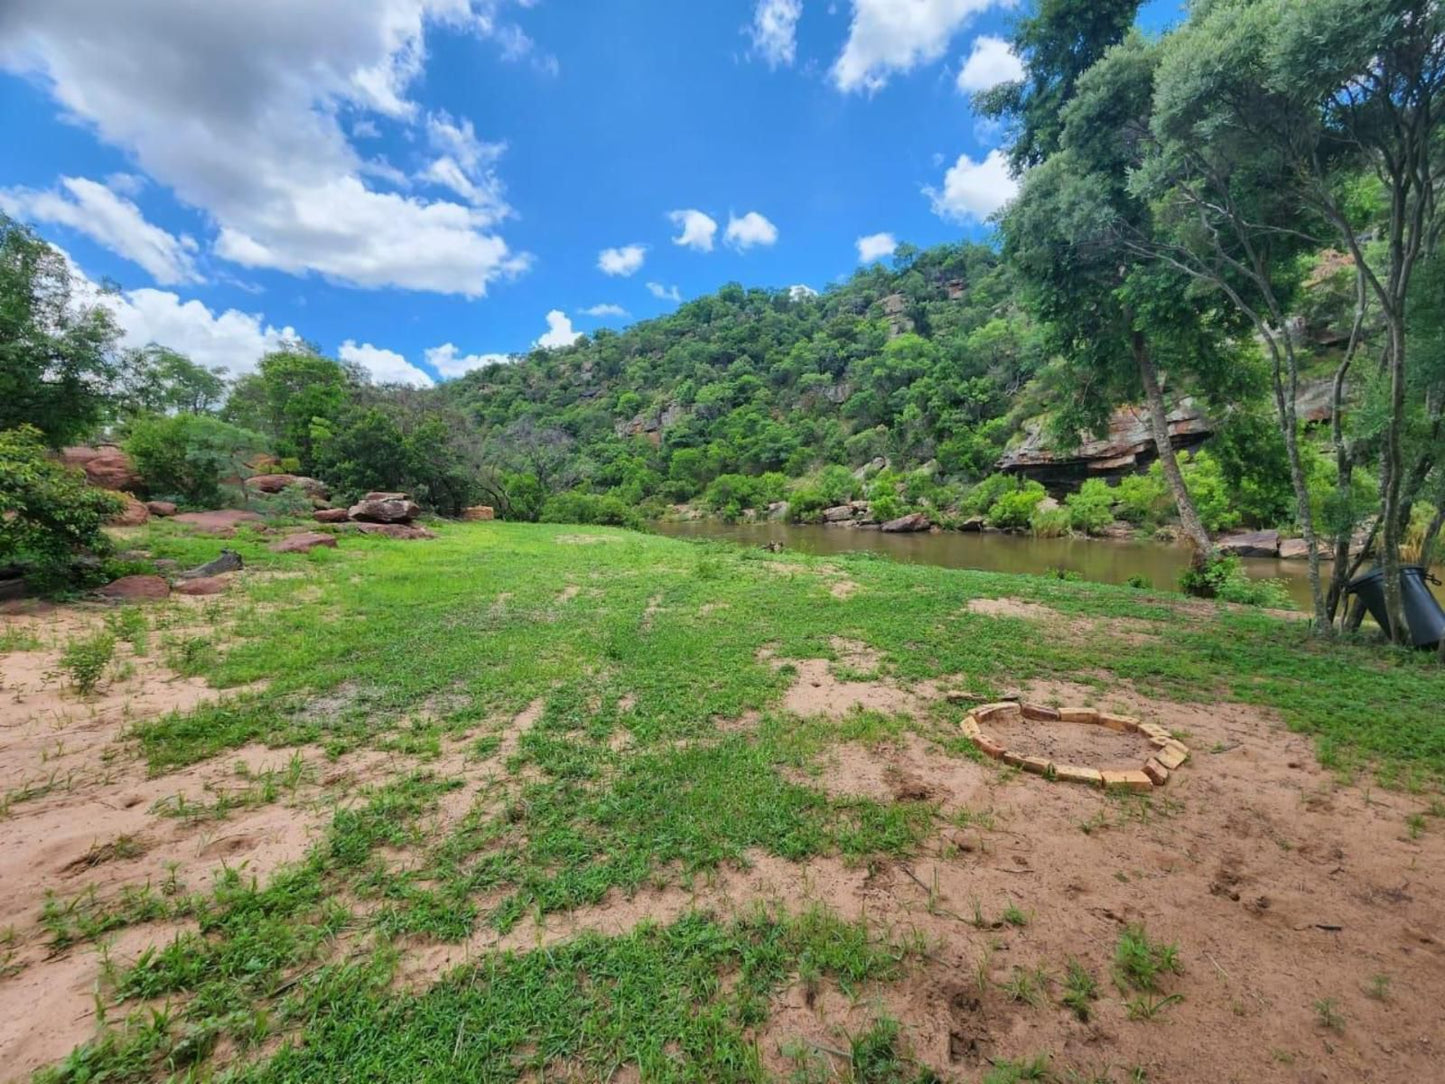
{"x":1281,"y":886}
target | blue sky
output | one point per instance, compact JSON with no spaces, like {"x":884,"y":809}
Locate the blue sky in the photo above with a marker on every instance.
{"x":419,"y":185}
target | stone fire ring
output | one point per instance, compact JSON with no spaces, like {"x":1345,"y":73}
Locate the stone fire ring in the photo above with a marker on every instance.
{"x":1169,"y":754}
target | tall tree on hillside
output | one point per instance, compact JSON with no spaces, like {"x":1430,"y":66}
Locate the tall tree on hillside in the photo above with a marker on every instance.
{"x":158,"y":380}
{"x":1262,"y":108}
{"x":1060,"y":41}
{"x":294,"y":391}
{"x":56,"y":349}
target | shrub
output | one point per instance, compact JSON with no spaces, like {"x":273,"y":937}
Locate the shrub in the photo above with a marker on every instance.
{"x":1142,"y":499}
{"x":1016,"y":509}
{"x":1049,"y":521}
{"x":187,"y":455}
{"x":978,"y":500}
{"x":584,"y":508}
{"x":49,"y":516}
{"x":1223,"y":577}
{"x":1091,"y":509}
{"x":1208,"y":489}
{"x":887,"y":507}
{"x":291,"y":503}
{"x":85,"y":660}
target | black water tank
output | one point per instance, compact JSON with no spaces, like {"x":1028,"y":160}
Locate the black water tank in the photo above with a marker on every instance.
{"x":1423,"y":615}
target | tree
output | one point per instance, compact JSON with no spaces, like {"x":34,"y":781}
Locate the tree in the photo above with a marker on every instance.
{"x":56,"y":348}
{"x":158,"y":380}
{"x":293,"y":396}
{"x":189,"y":455}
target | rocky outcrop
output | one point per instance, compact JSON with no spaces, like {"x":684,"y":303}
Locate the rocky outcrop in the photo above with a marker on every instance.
{"x":160,"y":508}
{"x":275,"y":483}
{"x":1127,"y":446}
{"x":134,"y":513}
{"x":204,"y":585}
{"x":330,"y":515}
{"x":384,"y":508}
{"x":228,"y":561}
{"x":303,"y":542}
{"x":106,"y":466}
{"x":651,"y":425}
{"x":404,"y":531}
{"x":914,"y":521}
{"x":1294,"y":549}
{"x":136,"y":587}
{"x":480,"y":513}
{"x":1251,"y":544}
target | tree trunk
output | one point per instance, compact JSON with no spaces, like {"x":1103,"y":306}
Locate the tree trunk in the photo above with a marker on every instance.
{"x":1344,"y":453}
{"x":1198,"y":538}
{"x":1390,"y":510}
{"x":1284,"y":399}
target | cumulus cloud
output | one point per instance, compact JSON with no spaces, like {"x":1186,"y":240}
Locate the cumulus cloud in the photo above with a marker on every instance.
{"x":991,"y":62}
{"x":606,"y":309}
{"x":664,"y":293}
{"x":238,"y":109}
{"x":465,"y":164}
{"x":623,"y":261}
{"x":698,"y":229}
{"x":749,"y":230}
{"x":775,"y":31}
{"x":559,"y":331}
{"x":875,"y":246}
{"x":887,"y":36}
{"x":974,"y":190}
{"x":801,"y":292}
{"x":449,"y":361}
{"x":385,"y":366}
{"x":111,"y":220}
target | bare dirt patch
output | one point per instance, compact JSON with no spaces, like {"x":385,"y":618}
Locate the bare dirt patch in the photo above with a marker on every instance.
{"x":1085,"y":744}
{"x":906,"y":769}
{"x":844,"y":589}
{"x":585,"y":539}
{"x":1013,"y":607}
{"x":818,"y":689}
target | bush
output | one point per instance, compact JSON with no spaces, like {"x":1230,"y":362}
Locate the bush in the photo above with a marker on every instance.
{"x":1223,"y":577}
{"x":49,"y":516}
{"x":1207,"y":487}
{"x":187,"y":455}
{"x":978,"y":500}
{"x":1091,"y":509}
{"x":1049,"y":522}
{"x":1015,"y":510}
{"x":887,"y":507}
{"x":291,"y":503}
{"x":1143,"y":499}
{"x":85,"y":660}
{"x":583,"y":508}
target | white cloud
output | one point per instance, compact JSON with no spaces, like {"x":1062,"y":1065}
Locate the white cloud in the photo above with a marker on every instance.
{"x":385,"y":366}
{"x":559,"y":331}
{"x":752,"y":229}
{"x":446,"y":360}
{"x":111,"y":220}
{"x":466,"y":164}
{"x":875,"y":246}
{"x":775,"y":30}
{"x":664,"y":293}
{"x":801,"y":292}
{"x":238,"y":108}
{"x":992,"y":62}
{"x":606,"y":309}
{"x":365,"y":129}
{"x":889,"y":36}
{"x":974,"y":190}
{"x":623,"y":261}
{"x":697,"y":228}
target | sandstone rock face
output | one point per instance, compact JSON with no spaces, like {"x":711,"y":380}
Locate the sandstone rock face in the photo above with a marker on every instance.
{"x":133,"y":587}
{"x":132,"y":515}
{"x":404,"y":531}
{"x":1251,"y":544}
{"x":105,"y":466}
{"x":303,"y":542}
{"x":204,"y":585}
{"x":1127,"y":446}
{"x":384,"y":508}
{"x":223,"y":522}
{"x":478,"y":513}
{"x":160,"y":508}
{"x":275,"y":483}
{"x":914,"y":521}
{"x":1294,"y":549}
{"x":330,"y":515}
{"x":838,"y":513}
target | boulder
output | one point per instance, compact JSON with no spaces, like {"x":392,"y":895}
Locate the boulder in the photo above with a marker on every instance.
{"x":1251,"y":544}
{"x":228,"y":561}
{"x":870,"y":468}
{"x":275,"y":483}
{"x":303,"y":542}
{"x":160,"y":508}
{"x":204,"y":585}
{"x":838,"y":513}
{"x":478,"y":513}
{"x":132,"y":515}
{"x":330,"y":515}
{"x":132,"y":587}
{"x":221,"y":522}
{"x":1294,"y":549}
{"x":914,"y":521}
{"x":778,"y":510}
{"x":105,"y":466}
{"x":394,"y":530}
{"x":384,"y":508}
{"x":972,"y":524}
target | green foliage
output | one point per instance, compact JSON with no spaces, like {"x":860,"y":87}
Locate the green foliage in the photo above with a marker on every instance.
{"x":982,"y":497}
{"x":1205,"y":481}
{"x":1014,"y":509}
{"x":49,"y":516}
{"x":577,"y":506}
{"x":187,"y":456}
{"x":56,"y":350}
{"x":1143,"y":499}
{"x":1139,"y":962}
{"x":157,"y":380}
{"x":1050,"y":522}
{"x":1223,"y":577}
{"x":1091,"y":509}
{"x":85,"y":658}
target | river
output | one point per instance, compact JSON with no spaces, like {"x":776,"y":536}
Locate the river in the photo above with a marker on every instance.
{"x":1099,"y":560}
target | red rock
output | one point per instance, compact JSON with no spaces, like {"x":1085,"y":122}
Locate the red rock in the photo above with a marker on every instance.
{"x":132,"y":515}
{"x":275,"y":483}
{"x":1040,"y":713}
{"x":329,"y":515}
{"x":160,"y":508}
{"x":203,"y":585}
{"x":222,"y":522}
{"x":105,"y":466}
{"x":1156,"y":772}
{"x":303,"y":542}
{"x":384,"y":508}
{"x":136,"y":587}
{"x":405,"y":531}
{"x":479,"y":513}
{"x":914,"y":521}
{"x":1294,"y":549}
{"x":1251,"y":544}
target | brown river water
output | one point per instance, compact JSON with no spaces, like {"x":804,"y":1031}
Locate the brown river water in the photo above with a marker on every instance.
{"x":1099,"y":560}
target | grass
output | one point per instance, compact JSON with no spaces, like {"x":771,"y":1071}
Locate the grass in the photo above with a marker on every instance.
{"x":633,"y":773}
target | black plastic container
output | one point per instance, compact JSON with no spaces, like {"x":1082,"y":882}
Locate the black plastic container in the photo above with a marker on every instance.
{"x":1423,"y":615}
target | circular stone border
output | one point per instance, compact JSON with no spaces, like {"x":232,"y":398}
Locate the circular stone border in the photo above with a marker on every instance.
{"x":1169,"y":753}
